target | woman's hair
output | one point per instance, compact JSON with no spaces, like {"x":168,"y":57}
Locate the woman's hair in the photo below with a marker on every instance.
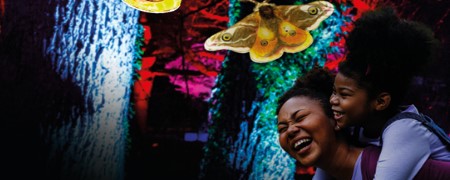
{"x":317,"y":84}
{"x":385,"y":52}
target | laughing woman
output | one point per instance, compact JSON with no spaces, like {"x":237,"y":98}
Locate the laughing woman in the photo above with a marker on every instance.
{"x":307,"y":133}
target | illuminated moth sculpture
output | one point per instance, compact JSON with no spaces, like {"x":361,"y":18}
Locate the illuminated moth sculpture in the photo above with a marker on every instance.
{"x":154,"y":6}
{"x":271,"y":30}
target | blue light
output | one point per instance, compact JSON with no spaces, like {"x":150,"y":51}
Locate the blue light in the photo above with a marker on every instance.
{"x":190,"y":137}
{"x":93,"y":46}
{"x":203,"y":137}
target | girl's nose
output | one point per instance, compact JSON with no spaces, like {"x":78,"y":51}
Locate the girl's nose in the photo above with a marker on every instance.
{"x":334,"y":100}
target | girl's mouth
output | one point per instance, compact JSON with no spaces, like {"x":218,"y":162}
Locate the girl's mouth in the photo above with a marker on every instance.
{"x":337,"y":115}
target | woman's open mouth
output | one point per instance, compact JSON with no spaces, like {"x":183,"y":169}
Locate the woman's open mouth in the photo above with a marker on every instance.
{"x":302,"y":145}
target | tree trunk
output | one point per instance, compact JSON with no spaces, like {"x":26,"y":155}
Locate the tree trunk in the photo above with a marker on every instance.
{"x":66,"y":76}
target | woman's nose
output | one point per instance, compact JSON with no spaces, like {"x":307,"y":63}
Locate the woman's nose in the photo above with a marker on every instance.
{"x":292,"y":130}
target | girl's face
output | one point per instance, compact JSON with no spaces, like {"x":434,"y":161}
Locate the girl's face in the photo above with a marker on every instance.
{"x":305,"y":131}
{"x":349,"y":102}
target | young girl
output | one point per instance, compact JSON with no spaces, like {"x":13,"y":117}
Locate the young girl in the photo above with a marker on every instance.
{"x":306,"y":132}
{"x":384,"y":53}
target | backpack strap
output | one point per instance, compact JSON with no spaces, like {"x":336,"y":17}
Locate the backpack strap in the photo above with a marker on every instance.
{"x":425,"y":121}
{"x":369,"y":160}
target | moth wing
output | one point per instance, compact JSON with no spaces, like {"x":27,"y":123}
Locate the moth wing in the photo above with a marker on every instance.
{"x":265,"y":50}
{"x":297,"y":21}
{"x":293,"y":38}
{"x":306,"y":16}
{"x":238,"y":38}
{"x":289,"y":39}
{"x":266,"y":47}
{"x":274,"y":37}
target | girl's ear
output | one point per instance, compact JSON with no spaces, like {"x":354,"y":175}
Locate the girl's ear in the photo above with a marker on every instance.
{"x":383,"y":101}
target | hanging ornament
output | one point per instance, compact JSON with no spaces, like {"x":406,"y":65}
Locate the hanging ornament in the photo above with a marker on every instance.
{"x":154,"y":6}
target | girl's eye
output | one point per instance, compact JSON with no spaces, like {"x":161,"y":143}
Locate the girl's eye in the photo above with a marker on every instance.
{"x":341,"y":94}
{"x":345,"y":94}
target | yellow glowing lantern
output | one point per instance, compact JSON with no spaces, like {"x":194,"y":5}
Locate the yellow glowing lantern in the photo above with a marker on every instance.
{"x":154,"y":6}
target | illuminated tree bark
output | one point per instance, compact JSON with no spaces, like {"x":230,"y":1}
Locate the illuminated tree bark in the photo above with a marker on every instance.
{"x":66,"y":73}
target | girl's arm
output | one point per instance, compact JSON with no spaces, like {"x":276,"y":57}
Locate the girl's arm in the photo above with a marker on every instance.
{"x":406,"y":147}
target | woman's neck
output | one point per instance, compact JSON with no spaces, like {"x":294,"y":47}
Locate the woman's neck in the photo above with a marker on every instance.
{"x":341,"y":162}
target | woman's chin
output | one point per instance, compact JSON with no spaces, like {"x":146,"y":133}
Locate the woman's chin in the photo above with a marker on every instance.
{"x":308,"y":160}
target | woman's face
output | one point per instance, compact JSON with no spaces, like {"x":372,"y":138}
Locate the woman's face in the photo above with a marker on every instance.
{"x":349,"y":102}
{"x":305,"y":131}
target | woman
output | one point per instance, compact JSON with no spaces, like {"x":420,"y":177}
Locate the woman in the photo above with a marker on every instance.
{"x":306,"y":132}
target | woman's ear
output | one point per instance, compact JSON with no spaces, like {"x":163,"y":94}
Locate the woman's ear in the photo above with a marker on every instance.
{"x":383,"y":101}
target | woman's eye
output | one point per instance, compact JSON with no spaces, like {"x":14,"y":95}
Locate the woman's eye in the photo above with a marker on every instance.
{"x":281,"y":129}
{"x":298,"y":119}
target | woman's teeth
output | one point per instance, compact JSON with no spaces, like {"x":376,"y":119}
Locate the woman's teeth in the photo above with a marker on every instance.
{"x":302,"y":143}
